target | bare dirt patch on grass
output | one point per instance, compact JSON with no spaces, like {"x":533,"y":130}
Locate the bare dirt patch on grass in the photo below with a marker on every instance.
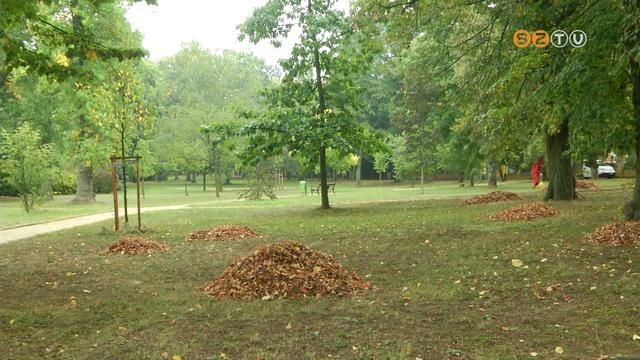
{"x":616,"y":234}
{"x":136,"y":246}
{"x":223,"y":233}
{"x":495,"y":196}
{"x":525,"y":212}
{"x":285,"y":270}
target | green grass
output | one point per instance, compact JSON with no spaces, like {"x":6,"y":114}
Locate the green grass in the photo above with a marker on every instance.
{"x":466,"y":300}
{"x":172,"y":193}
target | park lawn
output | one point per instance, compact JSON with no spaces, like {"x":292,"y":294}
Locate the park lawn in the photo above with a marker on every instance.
{"x":172,"y":193}
{"x":444,"y":283}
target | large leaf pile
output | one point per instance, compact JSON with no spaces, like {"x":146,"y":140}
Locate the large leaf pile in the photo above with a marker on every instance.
{"x":616,"y":234}
{"x":529,"y":211}
{"x":222,"y":233}
{"x":586,"y":185}
{"x":285,"y":270}
{"x":495,"y":196}
{"x":136,"y":246}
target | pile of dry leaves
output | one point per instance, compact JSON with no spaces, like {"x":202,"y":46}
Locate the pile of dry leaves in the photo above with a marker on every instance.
{"x":136,"y":246}
{"x":616,"y":234}
{"x":529,"y":211}
{"x":496,"y":196}
{"x":284,"y":270}
{"x":586,"y":185}
{"x":222,"y":233}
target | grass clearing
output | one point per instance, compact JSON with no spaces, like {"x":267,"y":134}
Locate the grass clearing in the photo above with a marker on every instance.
{"x":172,"y":193}
{"x":445,"y":284}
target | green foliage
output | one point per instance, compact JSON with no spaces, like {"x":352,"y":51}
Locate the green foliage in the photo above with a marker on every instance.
{"x":260,"y":178}
{"x":25,"y":163}
{"x":103,"y":182}
{"x":405,"y":167}
{"x":200,"y":88}
{"x":316,"y":104}
{"x":340,"y":164}
{"x":38,"y":35}
{"x":380,"y":162}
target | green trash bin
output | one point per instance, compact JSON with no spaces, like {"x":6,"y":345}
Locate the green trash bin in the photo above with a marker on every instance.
{"x":303,"y":187}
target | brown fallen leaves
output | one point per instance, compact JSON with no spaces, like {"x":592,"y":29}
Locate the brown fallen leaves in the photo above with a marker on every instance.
{"x":616,"y":234}
{"x":553,"y":291}
{"x":586,"y":185}
{"x":495,"y":196}
{"x":284,"y":270}
{"x":529,"y":211}
{"x":223,"y":233}
{"x":136,"y":246}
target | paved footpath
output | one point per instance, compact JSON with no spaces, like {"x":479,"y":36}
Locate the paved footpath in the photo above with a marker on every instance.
{"x":28,"y":231}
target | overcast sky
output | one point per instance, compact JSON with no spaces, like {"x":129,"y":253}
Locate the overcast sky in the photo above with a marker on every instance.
{"x":212,"y":23}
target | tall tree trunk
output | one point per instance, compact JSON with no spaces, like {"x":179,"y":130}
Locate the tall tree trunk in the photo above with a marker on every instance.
{"x":562,"y":180}
{"x":217,"y":179}
{"x":204,"y":181}
{"x":47,"y":189}
{"x":422,"y":178}
{"x":84,"y":185}
{"x":359,"y":170}
{"x":324,"y":191}
{"x":491,"y":174}
{"x":632,"y":208}
{"x":84,"y":179}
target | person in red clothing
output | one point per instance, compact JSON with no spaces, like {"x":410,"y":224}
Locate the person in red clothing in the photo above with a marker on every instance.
{"x":536,"y":172}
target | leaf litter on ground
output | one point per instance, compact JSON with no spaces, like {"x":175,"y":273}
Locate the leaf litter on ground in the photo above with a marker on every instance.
{"x":586,"y":185}
{"x":616,"y":234}
{"x":525,"y":212}
{"x":285,"y":270}
{"x":223,"y":233}
{"x":495,"y":196}
{"x":136,"y":246}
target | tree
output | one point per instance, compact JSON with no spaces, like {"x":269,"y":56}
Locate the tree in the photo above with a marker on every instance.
{"x":380,"y":163}
{"x":339,"y":163}
{"x":67,"y":40}
{"x":221,"y":140}
{"x":314,"y":108}
{"x":25,"y":162}
{"x":261,"y":181}
{"x":123,"y":107}
{"x":404,"y":166}
{"x":631,"y":39}
{"x":201,"y":88}
{"x":507,"y":95}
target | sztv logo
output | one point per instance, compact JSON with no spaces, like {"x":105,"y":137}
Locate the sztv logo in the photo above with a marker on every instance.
{"x":541,"y":39}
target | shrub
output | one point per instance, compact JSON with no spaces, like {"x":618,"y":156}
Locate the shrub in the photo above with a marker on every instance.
{"x":25,"y":163}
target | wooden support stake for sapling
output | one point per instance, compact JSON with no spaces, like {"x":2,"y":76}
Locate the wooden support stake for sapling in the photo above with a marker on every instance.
{"x":138,"y":191}
{"x":114,"y":187}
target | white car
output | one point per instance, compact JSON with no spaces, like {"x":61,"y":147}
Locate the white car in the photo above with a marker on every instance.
{"x":605,"y":170}
{"x":586,"y":172}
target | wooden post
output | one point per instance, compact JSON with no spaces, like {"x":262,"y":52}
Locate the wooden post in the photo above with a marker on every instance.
{"x":114,"y":187}
{"x":138,"y":191}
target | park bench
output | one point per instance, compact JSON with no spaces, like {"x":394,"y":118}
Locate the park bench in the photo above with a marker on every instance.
{"x":330,"y":186}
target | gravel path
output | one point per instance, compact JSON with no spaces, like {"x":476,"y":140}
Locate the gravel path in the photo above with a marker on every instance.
{"x":28,"y":231}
